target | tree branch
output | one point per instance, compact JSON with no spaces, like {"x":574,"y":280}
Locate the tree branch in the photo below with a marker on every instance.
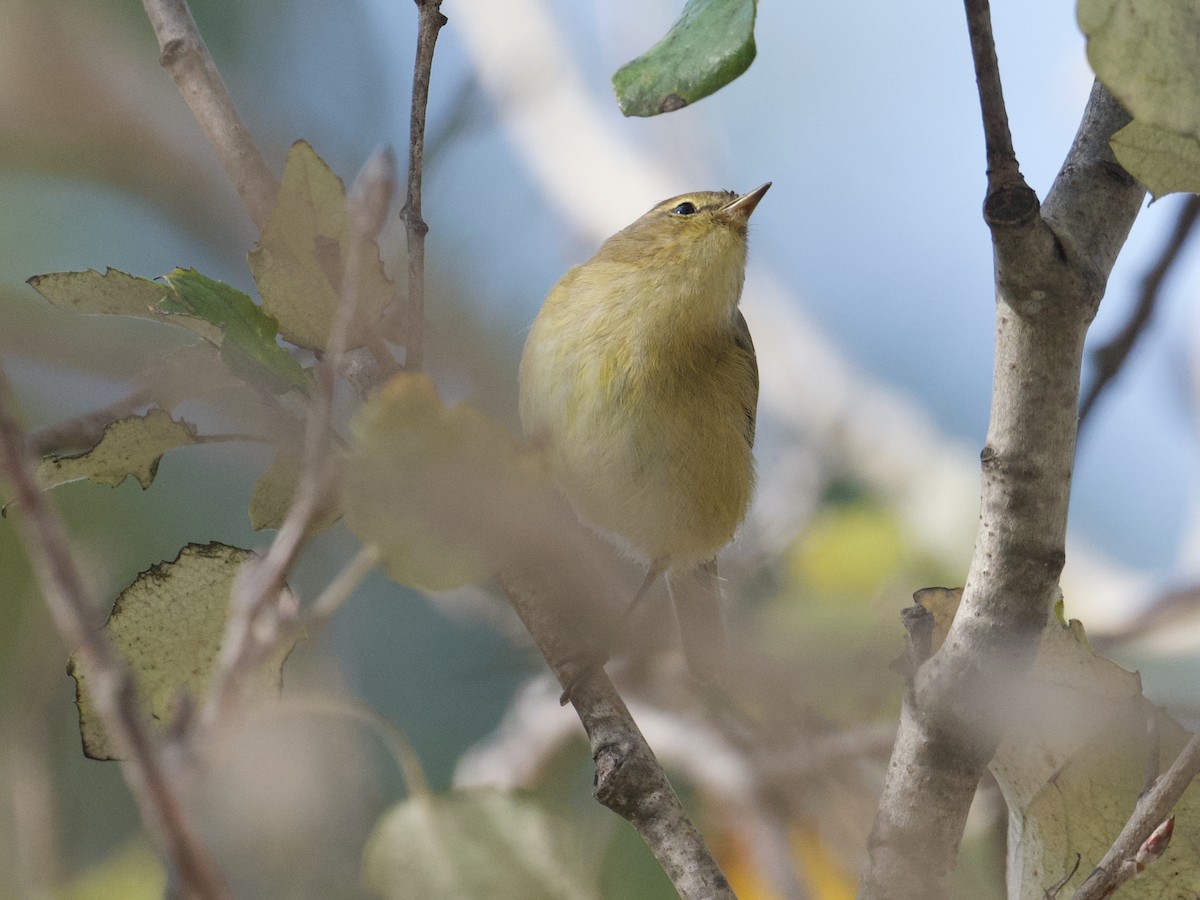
{"x":429,"y":22}
{"x":629,"y":779}
{"x":109,"y":681}
{"x":186,"y":57}
{"x":1152,"y":808}
{"x":1111,"y":357}
{"x":1050,"y":273}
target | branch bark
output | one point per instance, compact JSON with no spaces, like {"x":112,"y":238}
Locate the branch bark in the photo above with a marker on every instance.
{"x":429,"y":22}
{"x":186,"y":57}
{"x":1051,"y":267}
{"x":629,"y":779}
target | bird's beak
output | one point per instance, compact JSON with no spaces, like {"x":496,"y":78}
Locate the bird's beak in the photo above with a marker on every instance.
{"x":741,"y":207}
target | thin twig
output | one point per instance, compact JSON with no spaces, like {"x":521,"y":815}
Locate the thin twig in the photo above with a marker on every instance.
{"x":1001,"y":157}
{"x":402,"y":751}
{"x":1009,"y":200}
{"x":111,"y":686}
{"x":186,"y":57}
{"x":1110,"y":357}
{"x":429,"y":22}
{"x":330,"y":600}
{"x":262,"y":611}
{"x":1152,"y":808}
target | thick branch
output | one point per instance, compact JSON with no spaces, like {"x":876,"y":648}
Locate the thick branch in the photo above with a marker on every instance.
{"x":109,"y":681}
{"x":429,"y":22}
{"x":1050,"y":274}
{"x":186,"y":57}
{"x":629,"y":779}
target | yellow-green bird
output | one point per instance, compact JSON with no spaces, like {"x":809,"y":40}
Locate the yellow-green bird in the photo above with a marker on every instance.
{"x":640,"y":382}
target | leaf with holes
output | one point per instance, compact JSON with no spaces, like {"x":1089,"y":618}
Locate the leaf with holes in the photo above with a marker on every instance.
{"x":167,"y":627}
{"x":133,"y":446}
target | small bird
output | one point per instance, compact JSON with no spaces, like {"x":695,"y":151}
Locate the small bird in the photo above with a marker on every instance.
{"x":640,"y":382}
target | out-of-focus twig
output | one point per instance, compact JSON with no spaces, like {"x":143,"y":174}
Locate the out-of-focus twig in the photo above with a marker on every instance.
{"x":262,"y":611}
{"x":1111,"y":357}
{"x":111,"y":686}
{"x":1153,"y":808}
{"x":429,"y":22}
{"x":186,"y":57}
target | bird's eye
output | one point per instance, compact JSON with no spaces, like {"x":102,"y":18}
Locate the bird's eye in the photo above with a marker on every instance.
{"x":684,"y":209}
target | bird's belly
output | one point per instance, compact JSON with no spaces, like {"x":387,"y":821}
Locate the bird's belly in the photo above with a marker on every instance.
{"x":675,"y":485}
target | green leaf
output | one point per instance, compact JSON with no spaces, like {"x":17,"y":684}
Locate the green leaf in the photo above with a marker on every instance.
{"x":273,"y":495}
{"x":1163,"y":161}
{"x":710,"y":45}
{"x":477,"y":843}
{"x":1144,"y":51}
{"x":167,"y":626}
{"x":248,"y":346}
{"x":131,"y":446}
{"x":299,"y":263}
{"x":115,"y":294}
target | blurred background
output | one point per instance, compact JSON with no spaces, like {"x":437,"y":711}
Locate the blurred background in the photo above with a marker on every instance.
{"x":870,"y":298}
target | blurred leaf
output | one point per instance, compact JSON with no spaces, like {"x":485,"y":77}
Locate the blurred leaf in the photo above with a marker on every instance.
{"x":115,"y":294}
{"x":167,"y":626}
{"x":131,"y":446}
{"x":851,"y":549}
{"x":478,"y":843}
{"x":1161,"y":160}
{"x":299,"y":262}
{"x":429,"y":485}
{"x":273,"y":494}
{"x":942,"y":603}
{"x":132,"y":873}
{"x":1144,"y":51}
{"x":248,"y":345}
{"x":710,"y":45}
{"x":1073,"y":765}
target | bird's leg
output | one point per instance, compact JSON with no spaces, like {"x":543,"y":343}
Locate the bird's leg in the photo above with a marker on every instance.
{"x":593,"y":662}
{"x":657,"y":567}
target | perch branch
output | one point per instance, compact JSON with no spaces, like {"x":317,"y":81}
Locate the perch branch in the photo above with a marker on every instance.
{"x":111,"y":686}
{"x":1111,"y":356}
{"x":629,"y":779}
{"x":429,"y":22}
{"x":186,"y":57}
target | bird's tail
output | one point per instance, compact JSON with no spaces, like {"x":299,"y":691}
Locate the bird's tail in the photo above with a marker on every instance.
{"x":696,"y":596}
